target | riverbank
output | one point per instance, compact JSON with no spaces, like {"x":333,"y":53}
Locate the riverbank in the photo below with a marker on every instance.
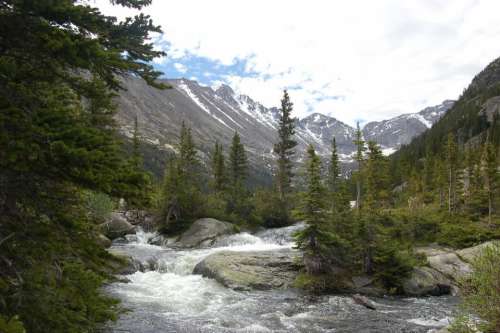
{"x":167,"y":297}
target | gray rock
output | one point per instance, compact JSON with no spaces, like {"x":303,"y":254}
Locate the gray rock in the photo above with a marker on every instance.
{"x":470,"y":253}
{"x":251,"y":270}
{"x":364,"y":301}
{"x":126,"y":264}
{"x":116,"y":226}
{"x":103,"y":240}
{"x":445,"y":269}
{"x":204,"y":233}
{"x":215,"y":114}
{"x":450,"y":265}
{"x":425,"y":281}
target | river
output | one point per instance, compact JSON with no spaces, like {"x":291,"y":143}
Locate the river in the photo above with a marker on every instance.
{"x":169,"y":298}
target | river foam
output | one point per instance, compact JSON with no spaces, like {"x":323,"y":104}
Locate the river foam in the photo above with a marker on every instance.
{"x":169,"y":298}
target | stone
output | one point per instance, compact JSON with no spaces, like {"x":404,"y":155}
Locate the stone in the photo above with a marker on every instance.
{"x":116,"y":226}
{"x":450,"y":265}
{"x":425,"y":281}
{"x":364,"y":301}
{"x":259,"y":270}
{"x":470,"y":253}
{"x":204,"y":233}
{"x":104,"y":241}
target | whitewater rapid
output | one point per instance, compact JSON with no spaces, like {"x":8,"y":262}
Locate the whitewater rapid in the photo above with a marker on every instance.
{"x":169,"y":298}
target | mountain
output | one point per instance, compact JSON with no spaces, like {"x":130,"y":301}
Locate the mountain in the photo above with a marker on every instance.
{"x":395,"y":132}
{"x":216,"y":113}
{"x":473,"y":118}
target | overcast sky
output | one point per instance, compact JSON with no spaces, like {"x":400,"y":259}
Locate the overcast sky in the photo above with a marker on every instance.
{"x":353,"y":60}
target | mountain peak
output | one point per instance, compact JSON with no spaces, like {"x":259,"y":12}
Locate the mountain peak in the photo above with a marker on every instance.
{"x":225,"y":91}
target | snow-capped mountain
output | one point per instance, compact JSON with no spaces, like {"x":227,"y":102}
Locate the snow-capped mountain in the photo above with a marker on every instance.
{"x":214,"y":114}
{"x":397,"y":131}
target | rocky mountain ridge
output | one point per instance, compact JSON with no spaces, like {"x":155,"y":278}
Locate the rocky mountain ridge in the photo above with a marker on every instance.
{"x":215,"y":114}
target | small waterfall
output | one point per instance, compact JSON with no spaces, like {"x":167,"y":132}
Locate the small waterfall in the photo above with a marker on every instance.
{"x":144,"y":237}
{"x":166,"y":297}
{"x":281,"y":236}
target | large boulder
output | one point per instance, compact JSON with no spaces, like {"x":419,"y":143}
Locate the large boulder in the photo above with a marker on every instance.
{"x":204,"y":233}
{"x":443,"y":272}
{"x":450,"y":265}
{"x":427,"y":281}
{"x":261,"y":270}
{"x":103,"y":240}
{"x":116,"y":226}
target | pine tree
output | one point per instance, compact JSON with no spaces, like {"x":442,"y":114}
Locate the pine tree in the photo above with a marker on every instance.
{"x":61,"y":62}
{"x":284,"y":150}
{"x":377,"y":178}
{"x":238,"y":168}
{"x":238,"y":163}
{"x":218,"y":168}
{"x":360,"y":149}
{"x":440,"y":178}
{"x":187,"y":152}
{"x":491,"y":176}
{"x":376,"y":198}
{"x":334,"y":174}
{"x":451,"y":166}
{"x":315,"y":240}
{"x":333,"y":168}
{"x":181,"y":199}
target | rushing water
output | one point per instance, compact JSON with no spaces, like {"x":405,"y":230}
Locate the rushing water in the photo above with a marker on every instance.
{"x":169,"y":298}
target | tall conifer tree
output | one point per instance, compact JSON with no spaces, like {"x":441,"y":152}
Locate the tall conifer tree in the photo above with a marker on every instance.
{"x":451,"y":168}
{"x":218,"y":168}
{"x":284,"y":150}
{"x":360,"y":149}
{"x":314,"y":239}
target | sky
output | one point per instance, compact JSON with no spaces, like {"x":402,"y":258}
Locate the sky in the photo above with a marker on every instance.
{"x":353,"y":60}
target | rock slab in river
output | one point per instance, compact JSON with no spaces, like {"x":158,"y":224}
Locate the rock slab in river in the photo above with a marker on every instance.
{"x":116,"y":226}
{"x":260,"y":270}
{"x":204,"y":232}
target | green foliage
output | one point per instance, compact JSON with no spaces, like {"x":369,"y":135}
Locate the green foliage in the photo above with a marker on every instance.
{"x":461,"y":233}
{"x":59,"y":63}
{"x":98,"y":205}
{"x":392,"y":265}
{"x":11,"y":325}
{"x":284,"y":150}
{"x":238,"y":205}
{"x":481,"y":292}
{"x":218,"y":169}
{"x":181,"y":200}
{"x":320,"y":244}
{"x":268,"y":206}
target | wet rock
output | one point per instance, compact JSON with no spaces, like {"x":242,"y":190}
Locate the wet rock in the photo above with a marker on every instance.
{"x":204,"y":233}
{"x":104,"y":241}
{"x":125,"y":265}
{"x":364,"y":301}
{"x":260,"y":270}
{"x":116,"y":227}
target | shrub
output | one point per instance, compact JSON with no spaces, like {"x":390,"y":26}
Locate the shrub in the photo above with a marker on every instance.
{"x":481,"y":292}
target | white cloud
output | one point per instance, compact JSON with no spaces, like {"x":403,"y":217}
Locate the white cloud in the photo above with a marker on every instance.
{"x":180,"y":67}
{"x":385,"y":57}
